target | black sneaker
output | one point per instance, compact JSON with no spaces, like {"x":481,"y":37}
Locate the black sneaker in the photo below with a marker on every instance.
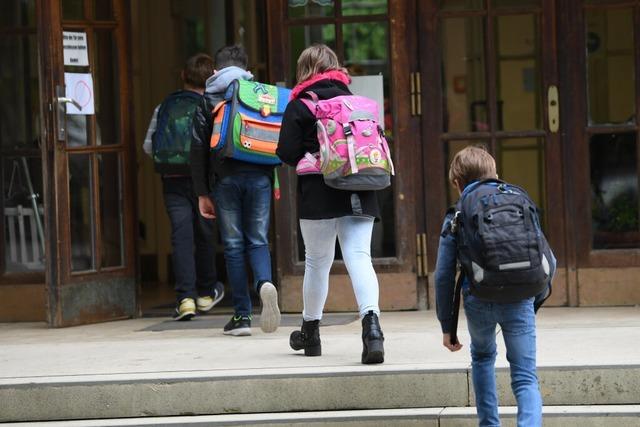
{"x":238,"y":326}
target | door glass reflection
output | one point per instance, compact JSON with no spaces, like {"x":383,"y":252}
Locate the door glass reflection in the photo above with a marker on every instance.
{"x":518,"y":73}
{"x":521,"y":162}
{"x":301,"y":37}
{"x":614,"y":190}
{"x":111,"y":204}
{"x":81,"y":212}
{"x":610,"y":66}
{"x":464,"y":82}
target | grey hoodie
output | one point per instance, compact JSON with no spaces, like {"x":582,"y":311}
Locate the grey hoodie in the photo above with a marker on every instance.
{"x":206,"y":168}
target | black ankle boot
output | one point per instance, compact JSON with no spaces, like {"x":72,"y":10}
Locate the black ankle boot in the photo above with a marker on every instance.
{"x":307,"y":338}
{"x":372,"y":339}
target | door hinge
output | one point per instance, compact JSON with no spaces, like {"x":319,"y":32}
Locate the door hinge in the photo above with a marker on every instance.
{"x":421,"y":254}
{"x":416,"y":94}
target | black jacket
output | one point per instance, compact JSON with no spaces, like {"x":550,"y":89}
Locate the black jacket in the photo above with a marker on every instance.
{"x":316,"y":200}
{"x":206,"y":167}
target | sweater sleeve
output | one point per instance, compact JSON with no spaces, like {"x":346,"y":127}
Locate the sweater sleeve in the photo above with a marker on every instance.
{"x":200,"y":153}
{"x":445,"y":275}
{"x":147,"y":146}
{"x":292,"y":133}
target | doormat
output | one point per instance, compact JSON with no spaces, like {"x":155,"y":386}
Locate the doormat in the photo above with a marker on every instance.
{"x":218,"y":322}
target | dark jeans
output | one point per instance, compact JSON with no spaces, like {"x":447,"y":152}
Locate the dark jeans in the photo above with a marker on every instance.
{"x":243,"y":205}
{"x":194,"y":262}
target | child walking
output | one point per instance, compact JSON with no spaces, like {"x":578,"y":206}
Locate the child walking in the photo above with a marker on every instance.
{"x":326,"y":213}
{"x":509,"y":305}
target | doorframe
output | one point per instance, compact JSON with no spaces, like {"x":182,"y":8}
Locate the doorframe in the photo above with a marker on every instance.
{"x":91,"y":301}
{"x":398,"y":271}
{"x":590,"y":269}
{"x":433,"y":160}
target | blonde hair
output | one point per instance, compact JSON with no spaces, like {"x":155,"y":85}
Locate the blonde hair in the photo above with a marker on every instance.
{"x":316,"y":59}
{"x":471,"y":164}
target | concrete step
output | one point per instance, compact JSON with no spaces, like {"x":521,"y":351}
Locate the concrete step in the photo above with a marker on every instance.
{"x":293,"y":390}
{"x":554,"y":416}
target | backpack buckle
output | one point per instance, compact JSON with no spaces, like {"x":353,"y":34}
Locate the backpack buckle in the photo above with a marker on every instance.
{"x":347,"y":129}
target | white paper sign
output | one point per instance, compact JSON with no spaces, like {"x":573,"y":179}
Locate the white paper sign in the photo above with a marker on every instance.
{"x":371,"y":87}
{"x":79,"y":87}
{"x":75,"y":48}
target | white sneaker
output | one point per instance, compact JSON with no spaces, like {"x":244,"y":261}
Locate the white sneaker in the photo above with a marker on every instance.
{"x":270,"y":316}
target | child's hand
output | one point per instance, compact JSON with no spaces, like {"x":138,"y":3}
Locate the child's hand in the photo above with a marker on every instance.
{"x":207,"y":210}
{"x":446,"y":341}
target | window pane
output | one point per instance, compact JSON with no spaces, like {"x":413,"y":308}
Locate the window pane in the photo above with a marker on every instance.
{"x":81,"y":212}
{"x":17,"y":13}
{"x":23,"y":214}
{"x":518,"y":80}
{"x":111,"y":205}
{"x":309,"y":8}
{"x":614,"y":190}
{"x":451,"y":148}
{"x":19,"y":93}
{"x":461,"y":4}
{"x":364,"y":7}
{"x":107,"y":86}
{"x":610,"y":66}
{"x":464,"y":81}
{"x":301,"y":37}
{"x":103,"y":10}
{"x":78,"y":130}
{"x":521,"y":162}
{"x":73,"y":10}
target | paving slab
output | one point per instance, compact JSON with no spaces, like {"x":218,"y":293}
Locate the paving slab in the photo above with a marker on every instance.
{"x":566,"y":337}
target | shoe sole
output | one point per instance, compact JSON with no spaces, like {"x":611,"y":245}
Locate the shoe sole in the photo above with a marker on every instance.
{"x":374,"y":353}
{"x":270,"y":315}
{"x":184,"y":316}
{"x":239,"y":332}
{"x":214,"y":303}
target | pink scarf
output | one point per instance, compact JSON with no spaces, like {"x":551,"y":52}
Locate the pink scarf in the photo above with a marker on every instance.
{"x":329,"y":75}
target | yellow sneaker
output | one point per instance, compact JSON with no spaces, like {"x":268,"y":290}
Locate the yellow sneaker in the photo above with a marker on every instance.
{"x":206,"y":303}
{"x":185,"y":310}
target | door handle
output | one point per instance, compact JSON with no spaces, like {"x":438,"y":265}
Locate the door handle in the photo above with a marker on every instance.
{"x":65,"y":100}
{"x":553,"y":109}
{"x":61,"y":101}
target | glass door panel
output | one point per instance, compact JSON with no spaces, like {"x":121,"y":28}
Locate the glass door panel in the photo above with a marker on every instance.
{"x":22,"y":240}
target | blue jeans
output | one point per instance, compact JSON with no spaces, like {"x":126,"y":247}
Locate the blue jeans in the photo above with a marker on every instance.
{"x":195,"y":272}
{"x":518,"y":325}
{"x":243,"y":206}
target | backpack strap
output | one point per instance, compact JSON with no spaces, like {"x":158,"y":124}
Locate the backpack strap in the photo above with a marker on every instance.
{"x":455,"y":309}
{"x":312,"y":104}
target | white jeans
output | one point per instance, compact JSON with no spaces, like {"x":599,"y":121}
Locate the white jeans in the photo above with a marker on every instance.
{"x":354,"y":235}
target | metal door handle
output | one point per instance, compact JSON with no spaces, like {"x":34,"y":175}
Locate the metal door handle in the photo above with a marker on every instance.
{"x":65,"y":100}
{"x":553,"y":109}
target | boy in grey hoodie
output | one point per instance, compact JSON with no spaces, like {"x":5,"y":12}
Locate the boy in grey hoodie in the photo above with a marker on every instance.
{"x":238,"y":194}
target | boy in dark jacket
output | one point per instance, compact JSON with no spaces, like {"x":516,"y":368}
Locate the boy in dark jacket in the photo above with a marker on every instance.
{"x":239,"y":195}
{"x":517,"y":320}
{"x":195,"y":272}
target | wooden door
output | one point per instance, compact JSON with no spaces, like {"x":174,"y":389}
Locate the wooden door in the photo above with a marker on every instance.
{"x":377,"y":40}
{"x":87,"y":156}
{"x":600,"y":100}
{"x":489,"y":76}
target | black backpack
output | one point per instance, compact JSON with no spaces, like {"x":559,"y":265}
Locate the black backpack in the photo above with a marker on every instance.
{"x":171,"y":142}
{"x":501,"y":247}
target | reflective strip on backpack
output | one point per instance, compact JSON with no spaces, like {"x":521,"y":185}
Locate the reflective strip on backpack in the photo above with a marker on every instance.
{"x":261,"y":134}
{"x":514,"y":265}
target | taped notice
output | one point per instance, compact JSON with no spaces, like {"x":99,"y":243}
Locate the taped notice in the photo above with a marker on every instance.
{"x":75,"y":50}
{"x":79,"y":87}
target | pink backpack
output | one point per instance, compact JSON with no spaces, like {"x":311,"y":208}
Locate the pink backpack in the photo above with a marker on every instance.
{"x":354,"y":154}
